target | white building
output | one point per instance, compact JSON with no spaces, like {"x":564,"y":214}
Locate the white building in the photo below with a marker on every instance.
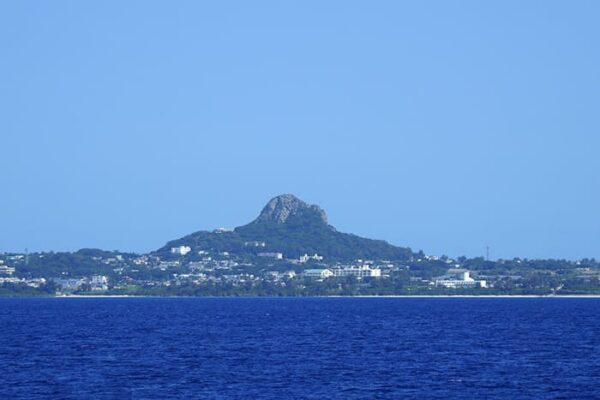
{"x":6,"y":270}
{"x":277,"y":256}
{"x":289,"y":274}
{"x":318,"y":273}
{"x":181,"y":250}
{"x":35,"y":282}
{"x":69,"y":283}
{"x":305,"y":258}
{"x":99,"y":282}
{"x":364,"y":271}
{"x":10,"y":280}
{"x":464,"y":281}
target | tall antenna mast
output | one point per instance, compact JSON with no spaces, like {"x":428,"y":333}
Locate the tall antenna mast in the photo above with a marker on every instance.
{"x":487,"y":253}
{"x":26,"y":257}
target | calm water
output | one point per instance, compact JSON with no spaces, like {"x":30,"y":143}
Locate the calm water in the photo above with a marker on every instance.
{"x":299,"y":348}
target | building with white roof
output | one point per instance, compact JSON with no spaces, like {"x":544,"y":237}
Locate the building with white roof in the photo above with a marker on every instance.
{"x":320,"y":273}
{"x":181,"y":250}
{"x":363,"y":271}
{"x":464,"y":281}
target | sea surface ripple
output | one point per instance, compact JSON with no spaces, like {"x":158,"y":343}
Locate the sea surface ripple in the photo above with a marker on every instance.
{"x":299,"y":348}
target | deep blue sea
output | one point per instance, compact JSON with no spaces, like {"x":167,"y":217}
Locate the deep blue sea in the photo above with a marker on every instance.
{"x":300,"y":348}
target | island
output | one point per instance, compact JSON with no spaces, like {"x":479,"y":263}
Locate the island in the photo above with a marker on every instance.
{"x":290,"y":249}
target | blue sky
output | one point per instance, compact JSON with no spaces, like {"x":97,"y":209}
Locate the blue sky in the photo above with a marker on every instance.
{"x":443,"y":126}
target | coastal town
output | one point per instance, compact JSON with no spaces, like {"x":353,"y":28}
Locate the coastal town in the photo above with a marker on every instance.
{"x":187,"y":271}
{"x":290,"y":249}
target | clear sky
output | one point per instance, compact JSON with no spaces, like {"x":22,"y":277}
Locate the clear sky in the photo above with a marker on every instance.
{"x":443,"y":126}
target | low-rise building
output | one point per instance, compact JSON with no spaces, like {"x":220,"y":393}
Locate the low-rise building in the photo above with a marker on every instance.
{"x":181,"y":250}
{"x":364,"y":271}
{"x":321,"y":273}
{"x":5,"y":270}
{"x":291,"y":274}
{"x":69,"y":284}
{"x":10,"y":280}
{"x":98,"y":282}
{"x":306,"y":258}
{"x":35,"y":282}
{"x":277,"y":256}
{"x":164,"y":265}
{"x":463,"y":281}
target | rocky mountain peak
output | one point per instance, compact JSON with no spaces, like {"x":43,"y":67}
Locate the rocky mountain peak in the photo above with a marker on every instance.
{"x":280,"y":208}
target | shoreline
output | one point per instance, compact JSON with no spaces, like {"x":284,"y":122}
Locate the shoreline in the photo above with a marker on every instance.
{"x":393,"y":296}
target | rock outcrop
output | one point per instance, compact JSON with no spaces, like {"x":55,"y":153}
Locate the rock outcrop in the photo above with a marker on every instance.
{"x":282,"y":207}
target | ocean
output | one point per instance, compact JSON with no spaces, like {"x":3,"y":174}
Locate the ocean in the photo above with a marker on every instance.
{"x":299,"y":348}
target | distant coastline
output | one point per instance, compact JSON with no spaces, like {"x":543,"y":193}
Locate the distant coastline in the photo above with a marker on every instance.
{"x":489,"y":296}
{"x":289,"y":250}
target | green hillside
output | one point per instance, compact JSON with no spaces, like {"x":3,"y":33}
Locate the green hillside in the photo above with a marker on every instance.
{"x":292,"y":227}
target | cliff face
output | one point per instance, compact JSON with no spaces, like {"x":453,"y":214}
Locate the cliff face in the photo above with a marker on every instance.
{"x":279,"y":209}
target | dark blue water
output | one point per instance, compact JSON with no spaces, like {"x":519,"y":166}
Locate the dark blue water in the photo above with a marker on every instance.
{"x":344,"y":348}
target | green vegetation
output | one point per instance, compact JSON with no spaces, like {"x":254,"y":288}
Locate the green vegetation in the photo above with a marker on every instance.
{"x":20,"y":290}
{"x":303,"y":233}
{"x":228,"y":263}
{"x":78,"y":264}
